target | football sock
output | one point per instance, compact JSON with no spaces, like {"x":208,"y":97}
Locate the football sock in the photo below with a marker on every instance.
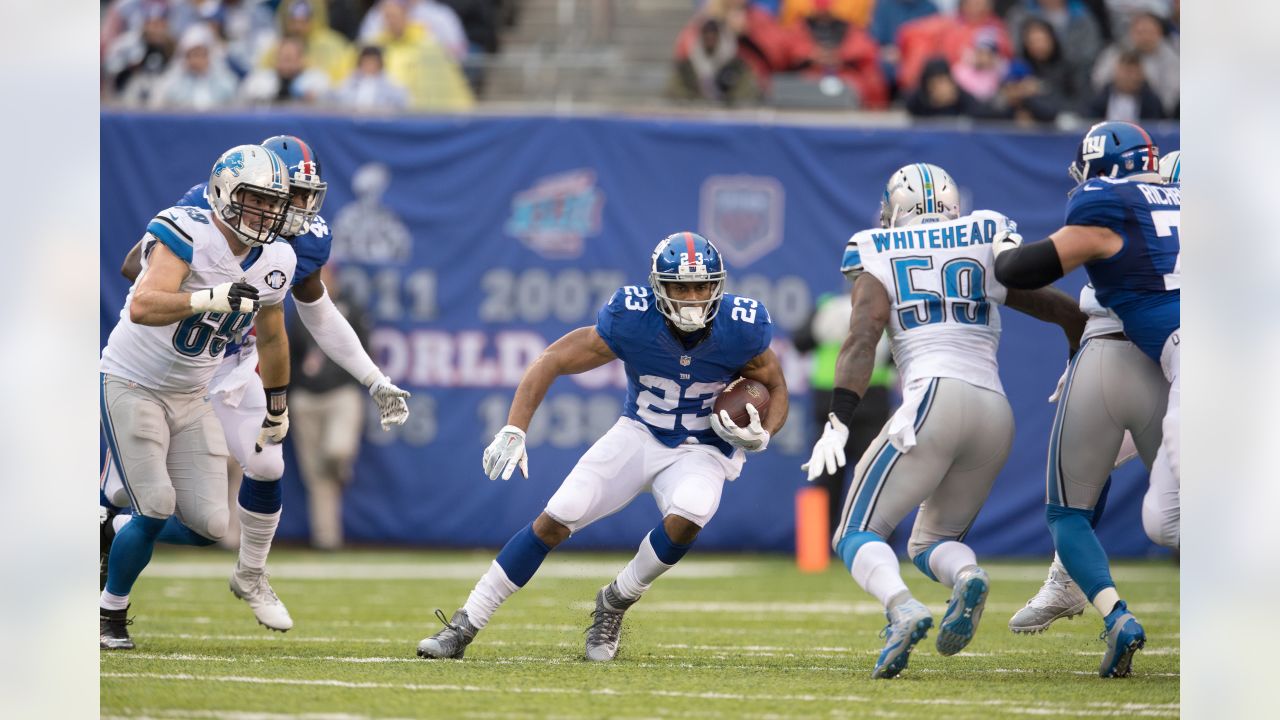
{"x":175,"y":533}
{"x":1078,"y":548}
{"x":523,"y":554}
{"x":130,"y":553}
{"x":491,"y":591}
{"x":875,"y":569}
{"x":113,"y":602}
{"x":258,"y":508}
{"x":1106,"y":600}
{"x":657,"y":554}
{"x":948,"y":559}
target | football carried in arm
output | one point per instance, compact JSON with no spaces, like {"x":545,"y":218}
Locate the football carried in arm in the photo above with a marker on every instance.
{"x":737,"y":395}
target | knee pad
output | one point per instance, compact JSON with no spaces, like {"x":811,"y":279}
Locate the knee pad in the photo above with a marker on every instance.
{"x":155,"y":502}
{"x":267,"y":465}
{"x":1162,"y":526}
{"x":569,"y":506}
{"x":215,"y":525}
{"x":848,"y":545}
{"x":694,"y":502}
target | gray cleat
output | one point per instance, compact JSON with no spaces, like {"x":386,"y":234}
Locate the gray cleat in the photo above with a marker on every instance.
{"x":452,"y":641}
{"x":1059,"y":597}
{"x":960,"y":622}
{"x":606,"y":624}
{"x":909,"y":622}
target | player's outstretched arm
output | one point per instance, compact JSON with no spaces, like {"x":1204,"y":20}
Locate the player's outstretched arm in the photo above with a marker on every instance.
{"x":1038,"y":264}
{"x":576,"y":352}
{"x":132,"y":266}
{"x":1052,"y":306}
{"x":767,"y":370}
{"x":337,"y":339}
{"x":157,"y":300}
{"x":854,"y":366}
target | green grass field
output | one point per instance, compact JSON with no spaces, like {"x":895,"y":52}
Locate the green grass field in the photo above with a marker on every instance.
{"x":721,"y":636}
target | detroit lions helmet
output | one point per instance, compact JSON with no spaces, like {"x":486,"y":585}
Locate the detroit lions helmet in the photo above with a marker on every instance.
{"x":687,"y":257}
{"x":918,"y":192}
{"x":1114,"y":150}
{"x":1171,"y":167}
{"x":249,"y":192}
{"x":304,"y":181}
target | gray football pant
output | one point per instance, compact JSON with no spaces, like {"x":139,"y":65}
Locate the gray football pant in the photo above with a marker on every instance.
{"x":963,"y":436}
{"x":170,"y":453}
{"x":1111,"y":387}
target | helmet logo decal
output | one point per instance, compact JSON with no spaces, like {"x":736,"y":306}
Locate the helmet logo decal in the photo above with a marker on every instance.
{"x":1094,"y":146}
{"x":233,"y":162}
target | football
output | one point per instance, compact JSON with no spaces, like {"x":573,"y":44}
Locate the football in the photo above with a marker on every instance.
{"x":734,"y":398}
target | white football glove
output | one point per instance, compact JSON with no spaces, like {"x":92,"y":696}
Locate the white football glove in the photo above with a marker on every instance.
{"x":274,"y":428}
{"x":505,"y":453}
{"x":752,"y":438}
{"x":392,"y":409}
{"x":227,"y":297}
{"x":1005,"y":240}
{"x":828,"y":452}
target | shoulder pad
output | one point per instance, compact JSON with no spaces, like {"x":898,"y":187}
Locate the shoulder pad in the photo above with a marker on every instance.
{"x":177,"y":228}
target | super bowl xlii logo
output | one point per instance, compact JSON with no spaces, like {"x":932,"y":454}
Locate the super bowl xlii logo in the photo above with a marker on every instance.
{"x":557,"y":214}
{"x":742,"y":215}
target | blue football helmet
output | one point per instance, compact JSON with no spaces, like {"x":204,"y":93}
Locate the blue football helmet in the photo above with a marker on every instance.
{"x":687,"y":257}
{"x":304,"y":182}
{"x":1115,"y":150}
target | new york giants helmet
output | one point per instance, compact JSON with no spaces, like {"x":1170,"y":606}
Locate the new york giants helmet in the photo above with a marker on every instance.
{"x":1171,"y":167}
{"x":304,"y":182}
{"x":249,"y":192}
{"x":918,"y":192}
{"x":1114,"y":150}
{"x":687,"y":257}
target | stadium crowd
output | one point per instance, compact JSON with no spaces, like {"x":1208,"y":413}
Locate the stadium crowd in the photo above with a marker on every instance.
{"x":1030,"y":61}
{"x":1023,"y":60}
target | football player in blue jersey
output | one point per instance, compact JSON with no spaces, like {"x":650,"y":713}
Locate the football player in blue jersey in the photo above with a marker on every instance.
{"x":681,"y":339}
{"x":239,"y":399}
{"x":1122,"y":225}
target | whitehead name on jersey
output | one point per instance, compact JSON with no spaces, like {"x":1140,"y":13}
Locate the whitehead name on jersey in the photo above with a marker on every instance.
{"x":671,"y":388}
{"x":943,"y":321}
{"x":1141,"y":283}
{"x":183,"y":357}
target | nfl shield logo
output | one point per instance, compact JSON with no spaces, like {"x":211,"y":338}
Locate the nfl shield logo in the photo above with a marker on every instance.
{"x":742,"y":215}
{"x":685,"y":361}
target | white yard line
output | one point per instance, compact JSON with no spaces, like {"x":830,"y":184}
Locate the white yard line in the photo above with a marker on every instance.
{"x":1094,"y":708}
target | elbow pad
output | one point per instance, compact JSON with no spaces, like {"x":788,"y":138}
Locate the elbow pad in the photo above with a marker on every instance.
{"x":1028,"y":267}
{"x":337,"y":339}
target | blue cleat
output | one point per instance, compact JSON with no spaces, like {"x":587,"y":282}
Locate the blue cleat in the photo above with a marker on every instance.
{"x":908,"y":624}
{"x":963,"y":612}
{"x":1124,"y":637}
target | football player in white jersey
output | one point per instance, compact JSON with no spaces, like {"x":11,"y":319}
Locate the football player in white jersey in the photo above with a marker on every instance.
{"x":925,"y":274}
{"x":206,"y":275}
{"x":1090,"y":417}
{"x":238,"y":397}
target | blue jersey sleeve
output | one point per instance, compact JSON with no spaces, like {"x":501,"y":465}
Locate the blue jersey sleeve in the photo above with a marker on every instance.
{"x":608,"y":320}
{"x":1097,"y":204}
{"x":312,"y":248}
{"x":166,"y":227}
{"x":194,"y":197}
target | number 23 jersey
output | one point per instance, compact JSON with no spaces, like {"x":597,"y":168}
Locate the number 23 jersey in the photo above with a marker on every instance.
{"x":183,"y":356}
{"x":943,"y":319}
{"x":671,"y":388}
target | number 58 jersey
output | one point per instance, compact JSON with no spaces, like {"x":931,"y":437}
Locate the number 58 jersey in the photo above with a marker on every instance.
{"x":182,"y":357}
{"x":943,"y":320}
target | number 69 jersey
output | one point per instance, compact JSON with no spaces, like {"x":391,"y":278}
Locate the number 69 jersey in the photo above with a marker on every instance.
{"x":183,"y":357}
{"x":943,"y":321}
{"x":671,"y":388}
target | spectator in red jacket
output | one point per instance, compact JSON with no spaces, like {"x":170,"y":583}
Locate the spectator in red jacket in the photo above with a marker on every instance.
{"x":761,"y":41}
{"x":825,"y":45}
{"x":949,"y":36}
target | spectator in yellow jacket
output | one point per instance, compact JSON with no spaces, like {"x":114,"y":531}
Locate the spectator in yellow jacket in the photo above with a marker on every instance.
{"x":421,"y":65}
{"x":326,"y":48}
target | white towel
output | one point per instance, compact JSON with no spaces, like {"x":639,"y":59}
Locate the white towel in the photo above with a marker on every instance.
{"x":902,"y":426}
{"x":233,"y":384}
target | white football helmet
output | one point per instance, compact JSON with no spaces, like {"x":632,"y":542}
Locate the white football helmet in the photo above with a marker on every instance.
{"x":249,"y":192}
{"x":918,"y":192}
{"x":1171,"y":167}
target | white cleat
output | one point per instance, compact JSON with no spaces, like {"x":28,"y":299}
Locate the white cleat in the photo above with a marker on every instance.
{"x":1059,"y":597}
{"x":252,"y":586}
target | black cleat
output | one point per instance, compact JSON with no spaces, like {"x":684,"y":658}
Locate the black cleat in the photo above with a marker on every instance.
{"x":114,"y":633}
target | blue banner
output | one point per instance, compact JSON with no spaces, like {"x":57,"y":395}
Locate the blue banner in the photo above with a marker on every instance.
{"x":476,"y":242}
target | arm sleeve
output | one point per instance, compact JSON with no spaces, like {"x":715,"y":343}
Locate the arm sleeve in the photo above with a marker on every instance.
{"x":335,"y":336}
